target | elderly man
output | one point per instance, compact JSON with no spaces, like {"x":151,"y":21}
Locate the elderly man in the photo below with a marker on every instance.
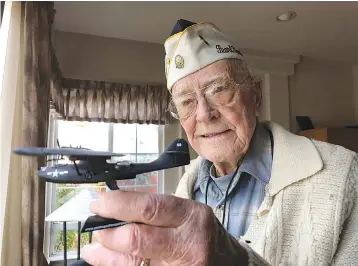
{"x":256,"y":195}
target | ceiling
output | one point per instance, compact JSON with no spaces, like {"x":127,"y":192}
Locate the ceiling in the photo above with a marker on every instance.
{"x":322,"y":30}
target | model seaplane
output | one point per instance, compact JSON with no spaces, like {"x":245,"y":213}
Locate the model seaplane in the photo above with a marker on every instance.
{"x":89,"y":166}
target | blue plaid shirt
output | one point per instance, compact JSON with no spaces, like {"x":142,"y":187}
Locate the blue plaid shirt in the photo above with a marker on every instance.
{"x":247,"y":189}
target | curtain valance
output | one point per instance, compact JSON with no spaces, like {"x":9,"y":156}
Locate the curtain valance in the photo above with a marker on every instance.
{"x":88,"y":100}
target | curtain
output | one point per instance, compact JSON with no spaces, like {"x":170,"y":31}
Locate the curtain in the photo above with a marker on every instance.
{"x":26,"y":94}
{"x":57,"y":100}
{"x":36,"y":91}
{"x":88,"y":100}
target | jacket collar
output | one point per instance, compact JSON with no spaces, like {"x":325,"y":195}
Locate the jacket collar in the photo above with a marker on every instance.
{"x":294,"y":158}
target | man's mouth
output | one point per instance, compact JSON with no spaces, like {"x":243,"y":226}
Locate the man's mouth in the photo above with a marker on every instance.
{"x":217,"y":134}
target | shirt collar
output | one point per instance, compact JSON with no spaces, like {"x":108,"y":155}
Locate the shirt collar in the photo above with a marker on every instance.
{"x":258,"y":160}
{"x":203,"y":174}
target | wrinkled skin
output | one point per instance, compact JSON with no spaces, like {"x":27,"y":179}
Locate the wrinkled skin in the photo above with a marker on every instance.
{"x":171,"y":230}
{"x":239,"y":118}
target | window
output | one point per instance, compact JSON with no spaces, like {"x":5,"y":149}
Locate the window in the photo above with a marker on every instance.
{"x":139,"y":143}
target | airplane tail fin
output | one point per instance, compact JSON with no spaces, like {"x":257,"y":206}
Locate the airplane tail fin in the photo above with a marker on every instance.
{"x":176,"y":154}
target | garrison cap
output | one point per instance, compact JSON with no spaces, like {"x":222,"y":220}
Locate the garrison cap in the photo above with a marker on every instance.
{"x":193,"y":46}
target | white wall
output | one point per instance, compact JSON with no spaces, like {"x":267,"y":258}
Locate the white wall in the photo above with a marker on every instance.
{"x":89,"y":57}
{"x":323,"y":91}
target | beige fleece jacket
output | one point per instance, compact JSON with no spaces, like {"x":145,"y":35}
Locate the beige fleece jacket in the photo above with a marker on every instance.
{"x":309,"y":215}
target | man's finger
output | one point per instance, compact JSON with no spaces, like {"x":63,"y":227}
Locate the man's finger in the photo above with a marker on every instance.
{"x":140,"y":240}
{"x":153,"y":209}
{"x":98,"y":255}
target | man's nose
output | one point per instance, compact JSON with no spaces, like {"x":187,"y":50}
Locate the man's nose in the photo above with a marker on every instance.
{"x":205,"y":112}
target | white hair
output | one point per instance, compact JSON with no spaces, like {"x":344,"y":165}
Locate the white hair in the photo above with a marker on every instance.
{"x":238,"y":66}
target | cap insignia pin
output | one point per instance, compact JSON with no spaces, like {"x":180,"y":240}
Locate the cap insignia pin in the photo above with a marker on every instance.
{"x":179,"y":62}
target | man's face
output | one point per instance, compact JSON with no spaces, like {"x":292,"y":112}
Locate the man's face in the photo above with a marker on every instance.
{"x":220,"y":133}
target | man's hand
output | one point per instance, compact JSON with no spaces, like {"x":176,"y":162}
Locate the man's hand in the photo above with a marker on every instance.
{"x":167,"y":229}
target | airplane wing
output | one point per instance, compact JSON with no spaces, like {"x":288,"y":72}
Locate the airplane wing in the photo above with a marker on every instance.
{"x":36,"y":151}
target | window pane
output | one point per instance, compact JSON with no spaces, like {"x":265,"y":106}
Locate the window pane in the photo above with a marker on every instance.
{"x":71,"y":241}
{"x":148,"y":189}
{"x":147,"y":179}
{"x":147,"y":139}
{"x":124,"y":138}
{"x":123,"y":184}
{"x":63,"y":195}
{"x":146,"y":158}
{"x":64,"y":192}
{"x":91,"y":135}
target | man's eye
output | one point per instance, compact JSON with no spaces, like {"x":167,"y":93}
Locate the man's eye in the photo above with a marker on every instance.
{"x":183,"y":102}
{"x":216,"y":90}
{"x":219,"y":89}
{"x":186,"y":102}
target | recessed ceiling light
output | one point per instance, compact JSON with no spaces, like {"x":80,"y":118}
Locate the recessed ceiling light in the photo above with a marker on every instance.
{"x":287,"y":16}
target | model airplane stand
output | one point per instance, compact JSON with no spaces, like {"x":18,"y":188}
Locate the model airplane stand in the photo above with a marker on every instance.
{"x":88,"y":166}
{"x":74,"y":210}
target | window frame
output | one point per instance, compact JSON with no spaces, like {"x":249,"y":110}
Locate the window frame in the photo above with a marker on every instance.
{"x":52,"y":227}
